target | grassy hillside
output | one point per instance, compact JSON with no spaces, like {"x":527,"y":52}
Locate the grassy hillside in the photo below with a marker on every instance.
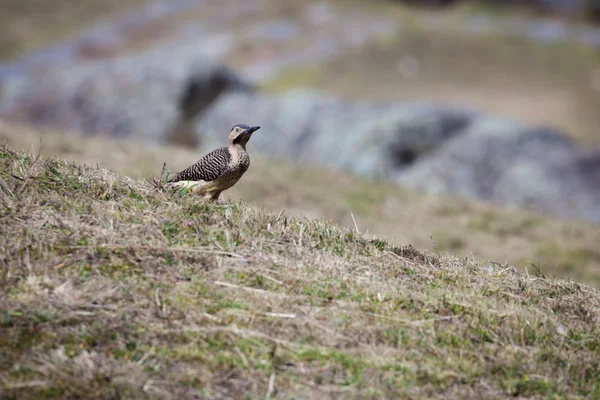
{"x":564,"y":249}
{"x":111,"y":290}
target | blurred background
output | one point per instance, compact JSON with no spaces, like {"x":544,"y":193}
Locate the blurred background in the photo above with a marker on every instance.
{"x":463,"y":126}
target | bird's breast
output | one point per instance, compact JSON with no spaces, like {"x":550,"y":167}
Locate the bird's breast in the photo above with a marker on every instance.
{"x":239,"y":161}
{"x":238,"y":165}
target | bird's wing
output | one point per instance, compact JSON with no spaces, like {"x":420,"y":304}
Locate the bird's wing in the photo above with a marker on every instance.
{"x":208,"y":168}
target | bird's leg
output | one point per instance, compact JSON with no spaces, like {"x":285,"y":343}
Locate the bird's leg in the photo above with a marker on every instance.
{"x":215,"y":197}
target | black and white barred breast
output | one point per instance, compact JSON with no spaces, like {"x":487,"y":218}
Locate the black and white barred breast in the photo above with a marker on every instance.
{"x":208,"y":168}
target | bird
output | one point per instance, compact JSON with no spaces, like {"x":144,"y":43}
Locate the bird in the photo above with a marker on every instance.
{"x":218,"y":170}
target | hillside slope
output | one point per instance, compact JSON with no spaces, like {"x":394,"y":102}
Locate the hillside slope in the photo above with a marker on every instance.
{"x":564,"y":249}
{"x":112,"y":290}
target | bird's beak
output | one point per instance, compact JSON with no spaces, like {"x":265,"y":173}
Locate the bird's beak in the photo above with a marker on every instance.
{"x":250,"y":131}
{"x":244,"y":136}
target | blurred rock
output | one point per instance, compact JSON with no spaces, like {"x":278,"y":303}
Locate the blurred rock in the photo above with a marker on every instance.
{"x":374,"y":140}
{"x":429,"y":147}
{"x":154,"y":95}
{"x":507,"y":163}
{"x":201,"y":89}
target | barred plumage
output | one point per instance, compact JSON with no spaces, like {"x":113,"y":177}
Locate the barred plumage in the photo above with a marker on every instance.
{"x":208,"y":168}
{"x":220,"y":169}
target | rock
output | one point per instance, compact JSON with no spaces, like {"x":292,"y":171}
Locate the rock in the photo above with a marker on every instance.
{"x":507,"y":163}
{"x":202,"y":88}
{"x":373,"y":140}
{"x":153,"y":95}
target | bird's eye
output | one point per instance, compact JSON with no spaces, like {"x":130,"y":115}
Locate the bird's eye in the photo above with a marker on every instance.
{"x":237,"y":129}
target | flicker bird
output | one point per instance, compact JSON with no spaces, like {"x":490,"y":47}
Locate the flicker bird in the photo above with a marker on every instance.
{"x":218,"y":170}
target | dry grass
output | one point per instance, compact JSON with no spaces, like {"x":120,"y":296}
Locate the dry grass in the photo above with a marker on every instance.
{"x":564,"y":249}
{"x":112,"y":290}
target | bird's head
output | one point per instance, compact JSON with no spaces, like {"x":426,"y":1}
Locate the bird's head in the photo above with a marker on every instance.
{"x":240,"y":134}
